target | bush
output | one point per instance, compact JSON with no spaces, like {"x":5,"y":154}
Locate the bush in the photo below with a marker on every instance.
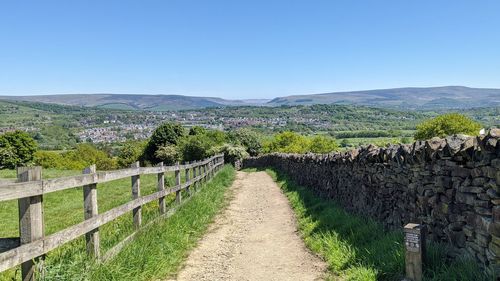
{"x":287,"y":142}
{"x":49,"y":159}
{"x":16,"y":148}
{"x":322,"y":144}
{"x":247,"y":138}
{"x":168,"y":154}
{"x":165,"y":134}
{"x":129,"y":153}
{"x":197,"y":130}
{"x":196,"y":147}
{"x":290,"y":142}
{"x":85,"y":155}
{"x":445,"y":125}
{"x":232,"y":153}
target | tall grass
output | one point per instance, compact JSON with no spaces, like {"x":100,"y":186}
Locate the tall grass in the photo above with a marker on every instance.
{"x":155,"y":252}
{"x":358,"y":248}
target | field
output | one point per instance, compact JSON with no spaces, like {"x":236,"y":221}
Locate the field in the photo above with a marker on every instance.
{"x":171,"y":237}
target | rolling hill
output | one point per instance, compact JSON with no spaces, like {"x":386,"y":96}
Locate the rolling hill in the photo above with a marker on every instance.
{"x":448,"y":97}
{"x":404,"y":98}
{"x":135,"y":102}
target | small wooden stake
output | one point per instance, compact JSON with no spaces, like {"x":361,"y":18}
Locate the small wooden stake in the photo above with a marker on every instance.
{"x":415,"y":250}
{"x":91,"y":210}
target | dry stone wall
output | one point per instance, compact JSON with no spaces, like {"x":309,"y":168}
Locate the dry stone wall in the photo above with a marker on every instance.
{"x":451,"y":185}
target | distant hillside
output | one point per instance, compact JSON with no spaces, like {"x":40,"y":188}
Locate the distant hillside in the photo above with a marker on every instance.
{"x":405,"y":98}
{"x":137,"y":102}
{"x":449,"y":97}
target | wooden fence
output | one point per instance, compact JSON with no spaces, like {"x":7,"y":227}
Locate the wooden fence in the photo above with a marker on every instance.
{"x":32,"y":244}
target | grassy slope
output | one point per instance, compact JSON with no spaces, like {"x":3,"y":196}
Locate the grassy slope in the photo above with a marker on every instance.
{"x":154,"y":254}
{"x":357,"y":248}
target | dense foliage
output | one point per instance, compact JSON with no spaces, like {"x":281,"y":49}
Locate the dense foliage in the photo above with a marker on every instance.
{"x":168,"y":133}
{"x":82,"y":156}
{"x":445,"y":125}
{"x":16,"y":148}
{"x":247,"y":138}
{"x":61,"y":127}
{"x":290,"y":142}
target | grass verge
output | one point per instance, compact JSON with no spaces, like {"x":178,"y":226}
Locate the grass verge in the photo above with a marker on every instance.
{"x":358,"y":248}
{"x":155,"y":253}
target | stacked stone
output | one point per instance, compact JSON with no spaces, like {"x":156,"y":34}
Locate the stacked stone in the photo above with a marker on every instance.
{"x":451,"y":185}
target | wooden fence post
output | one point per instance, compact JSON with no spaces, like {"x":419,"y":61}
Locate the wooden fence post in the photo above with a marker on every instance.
{"x":209,"y":169}
{"x":178,"y":196}
{"x":188,"y":188}
{"x":90,"y":208}
{"x":205,"y":171}
{"x":31,"y":227}
{"x":161,"y":187}
{"x":195,"y":183}
{"x":415,"y":251}
{"x":136,"y":193}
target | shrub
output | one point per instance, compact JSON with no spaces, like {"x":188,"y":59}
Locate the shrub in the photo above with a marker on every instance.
{"x":287,"y":142}
{"x":16,"y":148}
{"x":49,"y":159}
{"x":168,"y":154}
{"x":129,"y":153}
{"x":232,"y":153}
{"x":445,"y":125}
{"x":196,"y":147}
{"x":247,"y":138}
{"x":197,"y":130}
{"x":290,"y":142}
{"x":322,"y":144}
{"x":85,"y":155}
{"x":166,"y":134}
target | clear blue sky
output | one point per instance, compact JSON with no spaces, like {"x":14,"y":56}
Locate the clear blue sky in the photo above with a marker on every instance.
{"x":245,"y":49}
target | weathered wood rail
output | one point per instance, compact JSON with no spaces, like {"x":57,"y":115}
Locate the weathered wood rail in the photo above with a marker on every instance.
{"x":29,"y":189}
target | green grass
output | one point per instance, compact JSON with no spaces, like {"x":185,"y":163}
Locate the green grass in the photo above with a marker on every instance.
{"x":358,"y":248}
{"x":155,"y":253}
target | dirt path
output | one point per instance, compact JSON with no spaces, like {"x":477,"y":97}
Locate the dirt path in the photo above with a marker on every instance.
{"x":255,"y":238}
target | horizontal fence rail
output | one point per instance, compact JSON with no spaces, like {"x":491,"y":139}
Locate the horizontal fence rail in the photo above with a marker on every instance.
{"x":32,"y":244}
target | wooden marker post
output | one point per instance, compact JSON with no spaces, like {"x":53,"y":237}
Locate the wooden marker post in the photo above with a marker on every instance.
{"x":31,"y":226}
{"x":415,"y":250}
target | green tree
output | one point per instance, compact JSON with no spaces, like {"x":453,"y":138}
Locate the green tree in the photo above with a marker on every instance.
{"x":196,"y":147}
{"x":232,"y":153}
{"x":322,"y":144}
{"x":16,"y":148}
{"x":129,"y":153}
{"x":287,"y":142}
{"x":445,"y":125}
{"x":166,"y":134}
{"x":49,"y":159}
{"x":168,"y":154}
{"x":247,"y":138}
{"x":197,"y":130}
{"x":85,"y":155}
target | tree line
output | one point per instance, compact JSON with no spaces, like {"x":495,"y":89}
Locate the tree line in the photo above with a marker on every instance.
{"x":171,"y":143}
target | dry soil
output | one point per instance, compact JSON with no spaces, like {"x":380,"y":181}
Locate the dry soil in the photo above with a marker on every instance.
{"x":255,"y":238}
